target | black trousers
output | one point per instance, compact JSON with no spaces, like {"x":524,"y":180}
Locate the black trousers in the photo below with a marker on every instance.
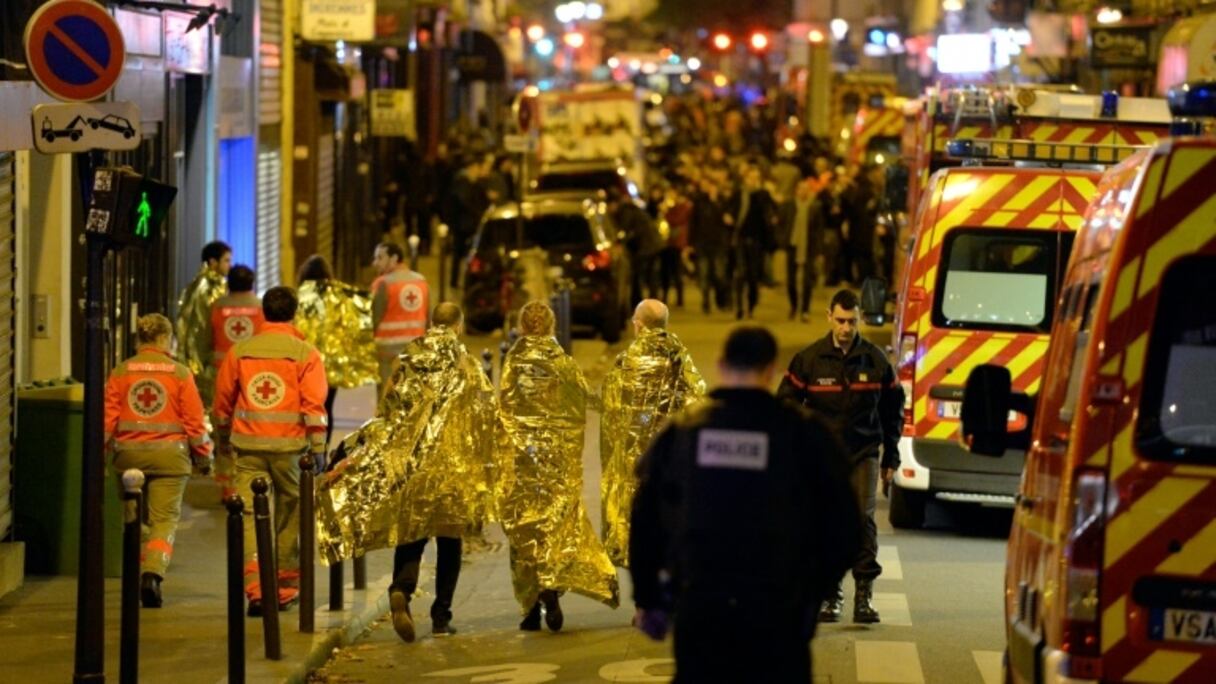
{"x":670,"y":275}
{"x":329,"y":414}
{"x":407,"y":560}
{"x":864,"y":479}
{"x":726,"y":638}
{"x":748,"y":271}
{"x":799,"y":293}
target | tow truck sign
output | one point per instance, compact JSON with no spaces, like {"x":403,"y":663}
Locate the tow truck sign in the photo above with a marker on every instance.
{"x":81,"y":127}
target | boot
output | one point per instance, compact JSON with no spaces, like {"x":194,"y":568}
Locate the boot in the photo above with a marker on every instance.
{"x":403,"y":622}
{"x":149,"y":590}
{"x":863,"y":610}
{"x":833,"y":607}
{"x":553,"y":610}
{"x":441,"y":625}
{"x":531,"y":622}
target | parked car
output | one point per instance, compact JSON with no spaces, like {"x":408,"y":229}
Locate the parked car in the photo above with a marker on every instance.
{"x":585,"y":178}
{"x":573,"y":234}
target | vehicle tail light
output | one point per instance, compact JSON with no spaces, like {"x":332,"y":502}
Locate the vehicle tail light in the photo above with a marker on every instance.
{"x":476,"y":265}
{"x":905,"y":365}
{"x":597,"y":260}
{"x":1083,"y":575}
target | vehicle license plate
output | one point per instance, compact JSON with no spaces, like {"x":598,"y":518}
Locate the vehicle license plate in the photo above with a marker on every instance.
{"x":1179,"y":624}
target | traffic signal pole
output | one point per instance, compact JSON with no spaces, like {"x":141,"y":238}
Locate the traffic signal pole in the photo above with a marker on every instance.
{"x":90,"y":582}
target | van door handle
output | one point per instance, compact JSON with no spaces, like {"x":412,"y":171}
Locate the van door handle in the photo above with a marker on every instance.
{"x":1026,"y":502}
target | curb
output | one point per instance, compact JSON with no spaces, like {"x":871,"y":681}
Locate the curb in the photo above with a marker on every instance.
{"x":323,"y":649}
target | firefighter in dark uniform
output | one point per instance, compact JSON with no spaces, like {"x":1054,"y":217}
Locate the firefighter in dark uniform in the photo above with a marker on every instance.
{"x":848,"y":382}
{"x":743,"y":522}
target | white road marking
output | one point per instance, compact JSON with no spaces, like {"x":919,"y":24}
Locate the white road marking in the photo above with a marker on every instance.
{"x":641,"y":670}
{"x":888,"y":558}
{"x":989,"y":663}
{"x":893,"y":608}
{"x":888,"y":662}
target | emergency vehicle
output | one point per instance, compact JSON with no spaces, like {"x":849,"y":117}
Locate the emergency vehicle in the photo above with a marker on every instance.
{"x":1111,"y":571}
{"x":877,"y":132}
{"x":980,"y":286}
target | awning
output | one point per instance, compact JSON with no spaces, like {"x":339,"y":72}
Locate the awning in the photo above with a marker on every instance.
{"x":479,"y":58}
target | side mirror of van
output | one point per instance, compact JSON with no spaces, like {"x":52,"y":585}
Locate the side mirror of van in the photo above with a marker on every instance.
{"x":874,"y":301}
{"x":988,"y":401}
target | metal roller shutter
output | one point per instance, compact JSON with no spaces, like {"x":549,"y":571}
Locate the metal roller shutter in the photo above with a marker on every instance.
{"x":7,"y":323}
{"x":325,"y":195}
{"x":270,"y":182}
{"x":270,"y":63}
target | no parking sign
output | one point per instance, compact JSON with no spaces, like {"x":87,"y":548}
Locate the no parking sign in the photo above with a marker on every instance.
{"x":74,"y":49}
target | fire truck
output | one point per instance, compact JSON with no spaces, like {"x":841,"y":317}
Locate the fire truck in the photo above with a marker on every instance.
{"x":1111,"y":571}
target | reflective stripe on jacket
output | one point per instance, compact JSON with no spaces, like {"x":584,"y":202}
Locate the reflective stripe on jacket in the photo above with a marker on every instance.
{"x":400,"y":301}
{"x":152,"y":403}
{"x":270,"y":393}
{"x":235,"y":318}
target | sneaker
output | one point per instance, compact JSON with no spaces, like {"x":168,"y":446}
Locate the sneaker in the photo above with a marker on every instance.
{"x":553,"y":611}
{"x":442,"y":627}
{"x":403,"y":622}
{"x":149,"y":590}
{"x":531,"y":622}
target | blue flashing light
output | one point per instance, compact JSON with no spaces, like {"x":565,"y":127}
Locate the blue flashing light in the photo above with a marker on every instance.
{"x":544,"y":47}
{"x":1193,"y":100}
{"x":1110,"y":104}
{"x":877,"y":36}
{"x":959,"y":148}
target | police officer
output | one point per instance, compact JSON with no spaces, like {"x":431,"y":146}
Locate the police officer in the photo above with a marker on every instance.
{"x":400,"y":302}
{"x":154,"y":422}
{"x":848,"y":382}
{"x":235,"y":317}
{"x":194,"y":314}
{"x":741,"y":468}
{"x":270,"y":408}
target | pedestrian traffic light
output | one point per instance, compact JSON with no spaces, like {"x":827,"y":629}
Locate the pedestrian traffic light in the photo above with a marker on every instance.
{"x":126,"y":208}
{"x":722,"y":41}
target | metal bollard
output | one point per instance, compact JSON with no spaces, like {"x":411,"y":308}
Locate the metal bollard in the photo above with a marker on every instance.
{"x":503,"y":348}
{"x":487,"y":363}
{"x":128,"y":666}
{"x":560,"y":302}
{"x":236,"y":589}
{"x":335,"y":586}
{"x":268,"y":573}
{"x":360,"y":573}
{"x":441,"y":232}
{"x":413,"y":241}
{"x":308,"y":542}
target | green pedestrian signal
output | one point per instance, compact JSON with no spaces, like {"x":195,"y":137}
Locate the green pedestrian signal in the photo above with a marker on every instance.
{"x":144,"y":212}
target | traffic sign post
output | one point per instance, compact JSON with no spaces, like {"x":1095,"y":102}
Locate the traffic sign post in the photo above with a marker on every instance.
{"x":74,"y":49}
{"x":81,"y":127}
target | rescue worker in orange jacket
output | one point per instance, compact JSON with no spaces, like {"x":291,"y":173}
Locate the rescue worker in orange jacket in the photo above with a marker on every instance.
{"x":154,"y":422}
{"x":235,"y":317}
{"x":270,"y":409}
{"x":400,"y":303}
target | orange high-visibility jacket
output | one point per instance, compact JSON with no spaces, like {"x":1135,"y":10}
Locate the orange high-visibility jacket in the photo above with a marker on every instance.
{"x":270,"y":393}
{"x":235,"y":317}
{"x":152,"y":404}
{"x":400,"y":302}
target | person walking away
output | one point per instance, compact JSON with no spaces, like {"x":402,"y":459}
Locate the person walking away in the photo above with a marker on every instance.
{"x":194,"y":315}
{"x":649,"y":382}
{"x":154,"y":421}
{"x":542,"y":417}
{"x":708,"y":235}
{"x":740,"y":465}
{"x":270,"y":407}
{"x":235,"y":317}
{"x":801,"y":215}
{"x":336,"y":319}
{"x":642,"y":241}
{"x":833,"y":213}
{"x":400,"y":301}
{"x":468,"y":201}
{"x":753,"y":237}
{"x":676,"y":214}
{"x":847,"y":381}
{"x":864,"y":203}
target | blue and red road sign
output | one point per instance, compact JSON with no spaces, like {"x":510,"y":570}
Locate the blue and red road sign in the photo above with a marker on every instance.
{"x":74,"y":49}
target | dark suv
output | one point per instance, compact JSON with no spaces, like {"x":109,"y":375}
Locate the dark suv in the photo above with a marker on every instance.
{"x":574,"y":235}
{"x":584,"y":179}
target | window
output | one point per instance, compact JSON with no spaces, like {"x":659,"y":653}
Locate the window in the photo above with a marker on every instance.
{"x":552,"y":231}
{"x":606,"y":180}
{"x":1177,"y":419}
{"x":1000,"y":279}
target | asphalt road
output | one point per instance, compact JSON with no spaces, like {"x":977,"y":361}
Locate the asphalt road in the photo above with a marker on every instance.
{"x":939,"y":596}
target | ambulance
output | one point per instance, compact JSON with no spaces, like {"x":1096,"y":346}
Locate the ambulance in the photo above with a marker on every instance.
{"x":1111,"y":570}
{"x":980,"y":286}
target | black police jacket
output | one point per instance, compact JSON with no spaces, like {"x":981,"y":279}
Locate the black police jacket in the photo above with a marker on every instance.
{"x":855,"y":393}
{"x":746,"y":494}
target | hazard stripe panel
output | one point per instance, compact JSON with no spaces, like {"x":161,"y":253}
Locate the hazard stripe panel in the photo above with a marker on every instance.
{"x":1134,"y":524}
{"x":1162,"y":666}
{"x":1114,"y":623}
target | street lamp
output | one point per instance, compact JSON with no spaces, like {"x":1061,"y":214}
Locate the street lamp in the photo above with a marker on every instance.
{"x":1110,"y":15}
{"x":574,"y":39}
{"x":815,"y":36}
{"x":536,"y":32}
{"x":759,"y":41}
{"x":839,"y":28}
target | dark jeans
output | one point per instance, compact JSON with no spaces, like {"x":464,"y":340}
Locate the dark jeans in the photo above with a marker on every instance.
{"x":729,"y":638}
{"x":407,"y":559}
{"x":670,"y":275}
{"x":645,"y":277}
{"x":711,"y":277}
{"x":329,"y":414}
{"x":800,"y":297}
{"x":458,"y":245}
{"x":864,"y":479}
{"x":748,"y":271}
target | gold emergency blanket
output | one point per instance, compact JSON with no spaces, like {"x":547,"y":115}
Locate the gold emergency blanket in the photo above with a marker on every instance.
{"x":649,"y":381}
{"x":194,"y":328}
{"x":424,"y":466}
{"x":336,"y":318}
{"x":540,"y":445}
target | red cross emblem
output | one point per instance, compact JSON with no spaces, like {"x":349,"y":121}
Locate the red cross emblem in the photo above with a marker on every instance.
{"x":411,"y":297}
{"x":146,"y":398}
{"x":266,"y":390}
{"x":238,"y":328}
